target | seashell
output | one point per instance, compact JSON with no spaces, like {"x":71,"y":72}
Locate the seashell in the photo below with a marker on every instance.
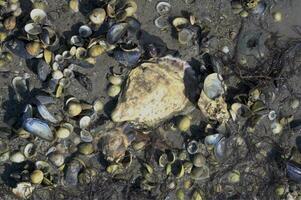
{"x":180,"y":194}
{"x":37,"y":176}
{"x":74,"y":5}
{"x":200,"y":173}
{"x":114,"y":169}
{"x":113,"y":144}
{"x":49,"y":38}
{"x":20,"y":87}
{"x":85,"y":31}
{"x":178,"y":169}
{"x":38,"y":128}
{"x":116,"y":32}
{"x":127,"y":58}
{"x":57,"y":159}
{"x":221,"y":150}
{"x":184,"y":124}
{"x":280,"y":190}
{"x":115,"y":80}
{"x":98,"y":16}
{"x":81,"y":53}
{"x":9,"y":23}
{"x":73,"y":169}
{"x":213,"y":139}
{"x":86,"y":148}
{"x":114,"y":90}
{"x":17,"y":47}
{"x":259,"y":9}
{"x":23,"y":190}
{"x":29,"y":150}
{"x":86,"y":136}
{"x":199,"y":160}
{"x":185,"y":36}
{"x":43,"y":111}
{"x":163,"y":8}
{"x":38,"y":16}
{"x":196,"y":195}
{"x":87,"y":176}
{"x":63,"y":132}
{"x":47,"y":56}
{"x":33,"y":48}
{"x":17,"y":157}
{"x":293,"y":171}
{"x":272,"y":115}
{"x":96,"y":50}
{"x":41,"y":4}
{"x":276,"y":127}
{"x":161,"y":22}
{"x":277,"y":16}
{"x":57,"y":74}
{"x":33,"y":29}
{"x":134,"y":26}
{"x":239,"y":110}
{"x":98,"y":106}
{"x":3,"y":36}
{"x":84,"y":122}
{"x":74,"y":109}
{"x":234,"y":177}
{"x":59,"y":58}
{"x":4,"y":157}
{"x":180,"y":22}
{"x":43,"y":166}
{"x":294,"y":103}
{"x":213,"y":86}
{"x":160,"y":86}
{"x":67,"y":55}
{"x":130,"y":8}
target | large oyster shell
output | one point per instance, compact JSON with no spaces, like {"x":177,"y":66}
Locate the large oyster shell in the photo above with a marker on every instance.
{"x":154,"y":92}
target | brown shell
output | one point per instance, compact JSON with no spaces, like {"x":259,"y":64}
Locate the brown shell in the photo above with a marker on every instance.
{"x":153,"y":92}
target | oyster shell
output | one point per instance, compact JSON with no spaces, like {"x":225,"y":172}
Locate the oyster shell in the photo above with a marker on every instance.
{"x":154,"y":91}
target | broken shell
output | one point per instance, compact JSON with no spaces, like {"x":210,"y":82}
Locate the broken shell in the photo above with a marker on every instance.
{"x":98,"y":16}
{"x":272,"y":115}
{"x":114,"y":90}
{"x":20,"y":87}
{"x":115,"y":80}
{"x":294,"y":103}
{"x":87,"y":176}
{"x":23,"y":190}
{"x":38,"y":128}
{"x":185,"y":36}
{"x":57,"y":159}
{"x":220,"y":149}
{"x":184,"y":124}
{"x":36,"y":177}
{"x":4,"y":157}
{"x":200,"y":173}
{"x":33,"y":29}
{"x":10,"y":23}
{"x":98,"y":106}
{"x":86,"y":136}
{"x":192,"y":147}
{"x":116,"y":32}
{"x":86,"y":148}
{"x":74,"y":5}
{"x":77,"y":41}
{"x":33,"y":48}
{"x":127,"y":57}
{"x":17,"y":157}
{"x":38,"y":16}
{"x":74,"y":167}
{"x":47,"y":56}
{"x":239,"y":110}
{"x":96,"y":50}
{"x":199,"y":160}
{"x":57,"y":74}
{"x":29,"y":150}
{"x":152,"y":103}
{"x":163,"y":8}
{"x":180,"y":194}
{"x":234,"y":176}
{"x":163,"y":160}
{"x":114,"y":168}
{"x":161,"y":22}
{"x":74,"y":108}
{"x":259,"y":9}
{"x":178,"y":169}
{"x":131,"y":8}
{"x":180,"y":22}
{"x":85,"y":31}
{"x":276,"y":127}
{"x":84,"y":122}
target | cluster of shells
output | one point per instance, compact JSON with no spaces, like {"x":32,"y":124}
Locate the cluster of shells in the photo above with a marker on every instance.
{"x":152,"y":94}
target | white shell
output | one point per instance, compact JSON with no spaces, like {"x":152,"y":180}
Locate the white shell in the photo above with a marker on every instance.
{"x":57,"y":74}
{"x":163,"y":8}
{"x":57,"y":159}
{"x":17,"y":157}
{"x":86,"y":136}
{"x":29,"y":150}
{"x":84,"y":122}
{"x":213,"y":86}
{"x":33,"y":29}
{"x":38,"y":15}
{"x":23,"y":190}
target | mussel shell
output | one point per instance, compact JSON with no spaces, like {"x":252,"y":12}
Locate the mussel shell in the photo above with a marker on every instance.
{"x":293,"y":171}
{"x":116,"y":32}
{"x":71,"y":176}
{"x":221,"y":150}
{"x":27,"y":113}
{"x":49,"y":38}
{"x":38,"y":128}
{"x":33,"y":29}
{"x":259,"y":9}
{"x":85,"y":31}
{"x":44,"y":100}
{"x":127,"y":58}
{"x":17,"y":47}
{"x":43,"y":70}
{"x":213,"y":139}
{"x":43,"y":111}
